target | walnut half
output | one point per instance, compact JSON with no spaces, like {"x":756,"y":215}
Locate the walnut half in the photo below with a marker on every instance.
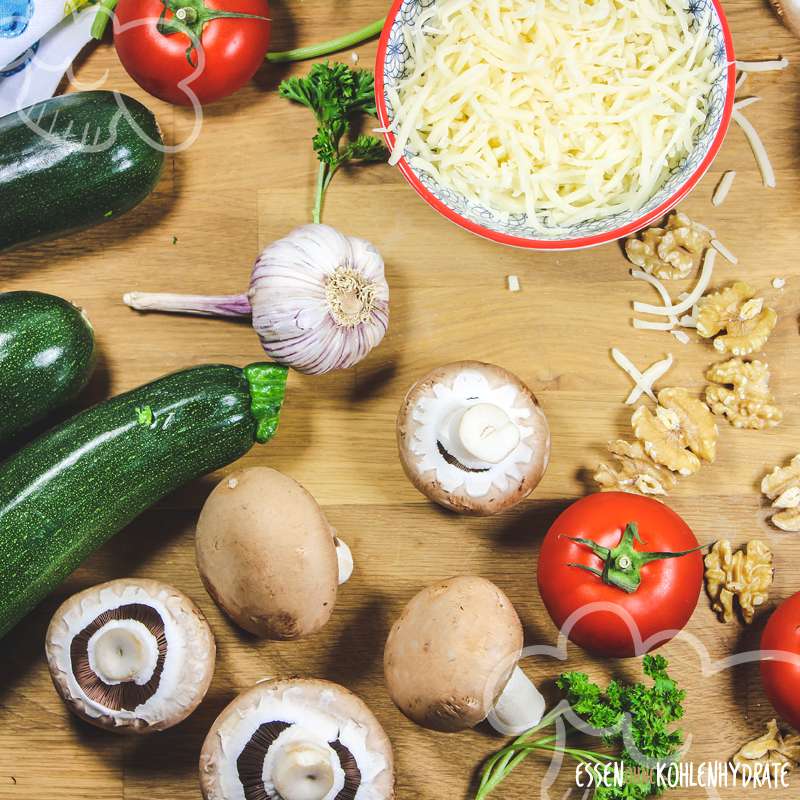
{"x":671,"y":252}
{"x":679,"y":434}
{"x":744,"y":576}
{"x":634,"y":471}
{"x":771,"y":747}
{"x":739,"y":390}
{"x":736,"y":310}
{"x":782,"y":486}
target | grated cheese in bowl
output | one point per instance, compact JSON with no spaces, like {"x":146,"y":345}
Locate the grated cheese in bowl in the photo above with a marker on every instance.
{"x":565,"y":111}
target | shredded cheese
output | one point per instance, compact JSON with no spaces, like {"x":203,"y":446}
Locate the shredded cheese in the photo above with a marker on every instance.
{"x":757,"y":146}
{"x":778,"y":283}
{"x":762,"y":66}
{"x":681,"y":336}
{"x":723,"y":187}
{"x":740,"y":80}
{"x":697,"y":292}
{"x":746,"y":101}
{"x":562,"y":111}
{"x":663,"y":294}
{"x":643,"y":380}
{"x":723,"y":251}
{"x":513,"y":283}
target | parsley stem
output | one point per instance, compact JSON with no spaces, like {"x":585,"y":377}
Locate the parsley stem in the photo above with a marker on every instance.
{"x":316,"y":213}
{"x":104,"y":14}
{"x":326,"y":48}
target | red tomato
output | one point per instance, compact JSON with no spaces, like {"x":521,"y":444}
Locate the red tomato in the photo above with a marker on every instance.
{"x":781,"y":678}
{"x":669,"y":587}
{"x":232,"y":48}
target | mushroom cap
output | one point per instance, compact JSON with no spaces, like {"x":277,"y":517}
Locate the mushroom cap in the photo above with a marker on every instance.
{"x":183,"y":676}
{"x":451,"y":653}
{"x":438,"y":477}
{"x":331,"y":708}
{"x":267,"y":555}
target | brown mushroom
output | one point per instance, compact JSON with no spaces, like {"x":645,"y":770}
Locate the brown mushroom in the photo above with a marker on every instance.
{"x":297,"y":739}
{"x":268,"y":556}
{"x":473,"y":438}
{"x":451,"y":660}
{"x":131,"y":655}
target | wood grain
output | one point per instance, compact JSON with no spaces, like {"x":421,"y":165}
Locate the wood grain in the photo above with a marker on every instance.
{"x":248,"y":179}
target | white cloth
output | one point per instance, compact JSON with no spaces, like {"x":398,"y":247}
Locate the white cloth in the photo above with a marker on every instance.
{"x":37,"y":46}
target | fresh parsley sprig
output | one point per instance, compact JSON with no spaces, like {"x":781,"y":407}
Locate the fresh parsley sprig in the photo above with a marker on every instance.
{"x":336,"y":94}
{"x":634,"y":718}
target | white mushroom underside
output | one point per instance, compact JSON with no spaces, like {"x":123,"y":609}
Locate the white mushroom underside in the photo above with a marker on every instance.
{"x":290,"y":708}
{"x":175,"y":692}
{"x":432,"y":414}
{"x":123,"y":650}
{"x":277,"y":754}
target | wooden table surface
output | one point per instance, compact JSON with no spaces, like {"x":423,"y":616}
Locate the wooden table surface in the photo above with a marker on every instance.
{"x":247,"y":180}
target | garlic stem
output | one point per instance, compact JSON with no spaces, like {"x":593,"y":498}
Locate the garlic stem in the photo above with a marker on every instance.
{"x":231,"y":305}
{"x":303,"y":771}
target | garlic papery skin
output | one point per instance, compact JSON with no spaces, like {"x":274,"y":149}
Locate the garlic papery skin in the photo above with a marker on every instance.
{"x":318,"y":299}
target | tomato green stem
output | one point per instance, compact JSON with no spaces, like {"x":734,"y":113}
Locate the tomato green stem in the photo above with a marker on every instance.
{"x":622,"y":564}
{"x":326,"y":48}
{"x":104,"y":13}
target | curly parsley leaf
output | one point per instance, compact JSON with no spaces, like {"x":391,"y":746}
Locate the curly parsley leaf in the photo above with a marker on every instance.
{"x":336,"y":94}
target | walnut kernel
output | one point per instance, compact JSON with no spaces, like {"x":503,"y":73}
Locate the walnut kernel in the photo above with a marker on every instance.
{"x":744,"y":576}
{"x":635,"y":471}
{"x":770,"y":748}
{"x":739,"y":390}
{"x":736,"y":310}
{"x":671,"y":252}
{"x":782,"y":486}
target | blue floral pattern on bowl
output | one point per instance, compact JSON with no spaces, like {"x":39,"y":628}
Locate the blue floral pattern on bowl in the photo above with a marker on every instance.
{"x":396,"y":65}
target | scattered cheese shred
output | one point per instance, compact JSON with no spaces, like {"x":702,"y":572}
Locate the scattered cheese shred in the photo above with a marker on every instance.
{"x":762,"y":66}
{"x":681,"y":336}
{"x":513,"y":283}
{"x":723,"y":187}
{"x":746,"y":101}
{"x":740,"y":80}
{"x":723,"y":251}
{"x":647,"y":325}
{"x":778,"y":283}
{"x":641,"y":275}
{"x":697,"y":292}
{"x":562,"y":111}
{"x":757,"y":146}
{"x":644,"y":380}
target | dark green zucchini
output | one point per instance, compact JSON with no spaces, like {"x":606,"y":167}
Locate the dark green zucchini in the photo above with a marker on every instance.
{"x":71,"y":489}
{"x":74,"y":161}
{"x":46,"y":358}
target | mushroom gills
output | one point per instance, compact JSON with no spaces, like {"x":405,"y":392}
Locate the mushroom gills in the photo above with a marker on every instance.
{"x":285,"y":761}
{"x":519,"y":708}
{"x":118,"y":658}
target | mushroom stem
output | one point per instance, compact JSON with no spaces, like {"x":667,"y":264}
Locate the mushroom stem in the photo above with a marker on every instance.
{"x":119,"y":655}
{"x":345,"y":559}
{"x":519,"y":708}
{"x":484,"y":432}
{"x":303,"y":771}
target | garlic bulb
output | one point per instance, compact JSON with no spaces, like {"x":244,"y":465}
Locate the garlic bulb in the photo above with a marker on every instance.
{"x":318,"y":299}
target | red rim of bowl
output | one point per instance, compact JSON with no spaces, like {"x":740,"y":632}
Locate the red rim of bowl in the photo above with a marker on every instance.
{"x":558,"y":244}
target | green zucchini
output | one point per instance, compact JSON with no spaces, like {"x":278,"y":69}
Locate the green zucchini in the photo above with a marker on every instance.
{"x":74,"y":161}
{"x":71,"y":489}
{"x":46,"y":358}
